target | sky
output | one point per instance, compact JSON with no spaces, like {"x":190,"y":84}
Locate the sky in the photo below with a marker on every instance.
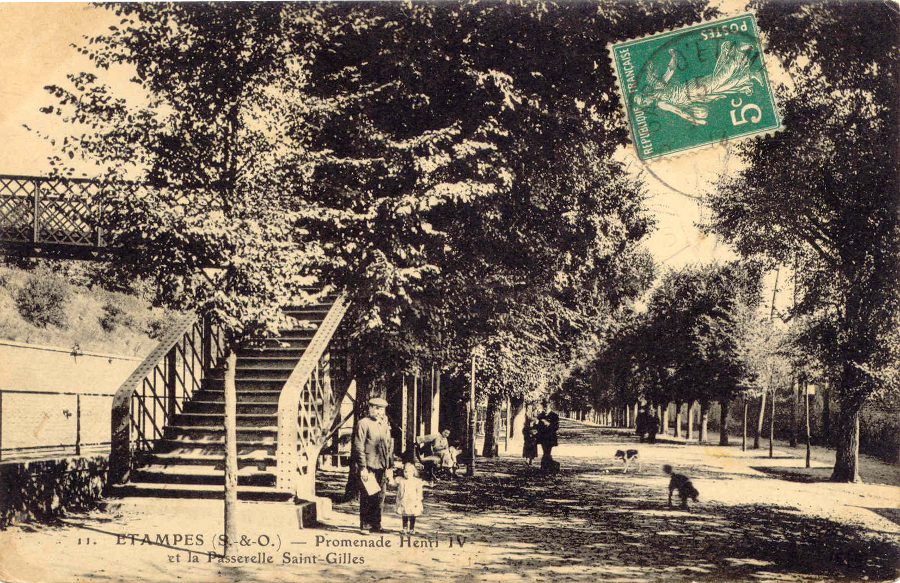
{"x":35,"y":41}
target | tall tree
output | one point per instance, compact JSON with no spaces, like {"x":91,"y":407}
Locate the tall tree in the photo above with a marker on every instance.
{"x":444,"y":149}
{"x":185,"y":167}
{"x":825,"y":191}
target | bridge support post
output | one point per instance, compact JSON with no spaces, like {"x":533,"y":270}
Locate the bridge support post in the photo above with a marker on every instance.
{"x":120,"y":439}
{"x":37,"y":211}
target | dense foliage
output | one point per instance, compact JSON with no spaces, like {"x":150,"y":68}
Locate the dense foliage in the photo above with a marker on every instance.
{"x":823,"y":194}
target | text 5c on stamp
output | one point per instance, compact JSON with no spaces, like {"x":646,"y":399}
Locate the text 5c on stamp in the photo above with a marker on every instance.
{"x":692,"y":87}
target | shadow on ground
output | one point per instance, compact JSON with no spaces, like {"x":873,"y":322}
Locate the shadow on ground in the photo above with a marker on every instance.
{"x":589,"y":523}
{"x":802,"y":475}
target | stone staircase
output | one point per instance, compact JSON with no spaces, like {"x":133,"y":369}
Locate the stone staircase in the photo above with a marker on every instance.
{"x":189,"y":461}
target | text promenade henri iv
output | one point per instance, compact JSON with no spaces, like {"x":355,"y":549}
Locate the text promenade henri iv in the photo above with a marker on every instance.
{"x":329,"y":550}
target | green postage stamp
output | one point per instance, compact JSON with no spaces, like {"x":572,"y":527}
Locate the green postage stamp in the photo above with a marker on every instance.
{"x":695,"y":86}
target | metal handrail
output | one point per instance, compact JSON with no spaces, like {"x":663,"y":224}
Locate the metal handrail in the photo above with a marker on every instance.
{"x":311,"y":372}
{"x":155,"y":391}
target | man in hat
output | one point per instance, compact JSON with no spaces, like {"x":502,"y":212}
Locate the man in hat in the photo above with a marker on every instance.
{"x":438,"y":451}
{"x":373,"y":454}
{"x":547,"y":428}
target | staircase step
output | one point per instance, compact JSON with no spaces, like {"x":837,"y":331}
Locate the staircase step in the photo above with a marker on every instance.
{"x":243,"y":407}
{"x":216,"y":446}
{"x":244,"y":397}
{"x":254,"y":374}
{"x":192,"y":456}
{"x":309,"y":314}
{"x":196,"y":419}
{"x":248,"y":433}
{"x":295,"y":351}
{"x":200,"y":475}
{"x":250,"y":361}
{"x":247,"y":385}
{"x":254,"y":493}
{"x":304,"y":333}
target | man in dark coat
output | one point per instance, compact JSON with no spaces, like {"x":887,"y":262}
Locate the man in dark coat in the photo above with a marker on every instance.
{"x":640,"y":424}
{"x":547,"y":427}
{"x":373,"y":453}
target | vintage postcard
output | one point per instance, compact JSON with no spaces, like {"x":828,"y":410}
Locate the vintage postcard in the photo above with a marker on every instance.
{"x":450,"y":291}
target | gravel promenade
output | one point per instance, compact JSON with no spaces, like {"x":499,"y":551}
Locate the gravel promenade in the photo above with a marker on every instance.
{"x":758,"y":519}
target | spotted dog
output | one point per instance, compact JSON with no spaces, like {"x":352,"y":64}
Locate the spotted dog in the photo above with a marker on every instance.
{"x":628,"y":456}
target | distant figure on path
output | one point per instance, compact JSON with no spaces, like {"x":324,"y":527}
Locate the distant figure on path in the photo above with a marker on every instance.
{"x":684,"y":486}
{"x":529,"y":434}
{"x":640,"y":423}
{"x":547,"y":428}
{"x":652,"y":427}
{"x":373,"y":454}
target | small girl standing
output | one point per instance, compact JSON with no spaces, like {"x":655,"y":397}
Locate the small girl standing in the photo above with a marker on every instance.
{"x":409,"y":497}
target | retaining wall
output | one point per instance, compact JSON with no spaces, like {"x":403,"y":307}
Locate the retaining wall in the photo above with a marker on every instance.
{"x":46,"y":489}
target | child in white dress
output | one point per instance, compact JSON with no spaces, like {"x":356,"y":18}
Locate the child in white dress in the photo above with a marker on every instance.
{"x":409,"y":497}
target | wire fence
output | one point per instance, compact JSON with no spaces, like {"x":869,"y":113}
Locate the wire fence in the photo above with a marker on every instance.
{"x":41,"y":424}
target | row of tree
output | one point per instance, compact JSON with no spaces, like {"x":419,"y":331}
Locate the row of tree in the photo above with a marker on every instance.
{"x":432,"y":160}
{"x":695,"y":343}
{"x":821,"y":198}
{"x":457,"y":179}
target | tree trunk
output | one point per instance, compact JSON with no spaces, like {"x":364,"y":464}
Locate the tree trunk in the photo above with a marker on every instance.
{"x":690,"y":420}
{"x":847,"y":457}
{"x":492,"y":428}
{"x":664,"y":420}
{"x":759,"y":422}
{"x":473,"y":414}
{"x":744,"y":440}
{"x":351,"y":489}
{"x":412,"y":412}
{"x":794,"y":405}
{"x":723,"y":421}
{"x":772,"y":425}
{"x":704,"y":420}
{"x":231,"y":469}
{"x":806,"y":407}
{"x":826,"y":413}
{"x":678,"y":405}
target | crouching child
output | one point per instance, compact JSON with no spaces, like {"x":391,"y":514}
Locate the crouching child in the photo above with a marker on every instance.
{"x":684,"y":486}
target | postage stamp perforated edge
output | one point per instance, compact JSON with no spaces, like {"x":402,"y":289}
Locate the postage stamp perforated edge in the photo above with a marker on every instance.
{"x":632,"y":151}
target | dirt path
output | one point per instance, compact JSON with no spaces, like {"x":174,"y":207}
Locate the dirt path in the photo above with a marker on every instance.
{"x":590,"y":522}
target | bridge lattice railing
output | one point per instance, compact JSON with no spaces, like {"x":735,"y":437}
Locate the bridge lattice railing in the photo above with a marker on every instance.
{"x":158,"y":389}
{"x":39,"y":211}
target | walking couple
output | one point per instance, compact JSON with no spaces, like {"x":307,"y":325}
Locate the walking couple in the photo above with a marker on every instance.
{"x":541,"y":430}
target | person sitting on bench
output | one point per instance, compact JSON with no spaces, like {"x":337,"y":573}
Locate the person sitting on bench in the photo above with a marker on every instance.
{"x":436,"y":452}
